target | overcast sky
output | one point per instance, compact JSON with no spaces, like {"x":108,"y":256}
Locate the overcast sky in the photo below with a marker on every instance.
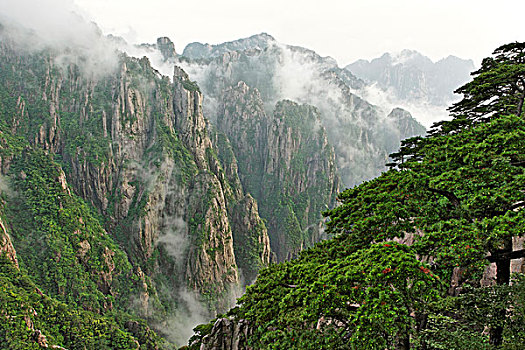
{"x":344,"y":29}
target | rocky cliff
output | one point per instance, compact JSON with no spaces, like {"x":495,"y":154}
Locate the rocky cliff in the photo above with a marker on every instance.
{"x":226,"y":334}
{"x":285,"y":161}
{"x":6,"y":246}
{"x":135,"y":146}
{"x":404,"y":122}
{"x":360,"y":132}
{"x":412,"y":76}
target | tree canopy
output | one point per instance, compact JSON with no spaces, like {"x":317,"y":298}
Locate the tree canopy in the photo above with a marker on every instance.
{"x":497,"y":88}
{"x":458,"y":193}
{"x":409,"y":266}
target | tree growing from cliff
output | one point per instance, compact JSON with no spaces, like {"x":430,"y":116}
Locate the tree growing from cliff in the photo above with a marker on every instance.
{"x":412,"y":246}
{"x":497,"y":88}
{"x":460,"y":193}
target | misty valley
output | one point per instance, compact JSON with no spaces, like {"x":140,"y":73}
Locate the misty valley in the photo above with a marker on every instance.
{"x":256,"y":195}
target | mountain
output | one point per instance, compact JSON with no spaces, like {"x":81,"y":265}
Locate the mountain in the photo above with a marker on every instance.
{"x":296,"y":128}
{"x":428,"y":255}
{"x":119,"y":196}
{"x":281,"y":72}
{"x":412,"y":76}
{"x":134,"y":205}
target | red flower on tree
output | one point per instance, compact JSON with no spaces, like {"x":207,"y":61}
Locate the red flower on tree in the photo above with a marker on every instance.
{"x":424,"y":269}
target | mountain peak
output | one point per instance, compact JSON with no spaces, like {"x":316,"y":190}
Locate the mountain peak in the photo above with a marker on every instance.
{"x":411,"y":57}
{"x":413,"y":76}
{"x":198,"y":50}
{"x":166,"y":47}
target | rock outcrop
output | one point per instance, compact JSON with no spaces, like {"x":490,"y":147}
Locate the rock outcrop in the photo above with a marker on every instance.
{"x":405,"y":123}
{"x":137,"y":147}
{"x":227,"y":334}
{"x":167,"y":48}
{"x":285,"y":162}
{"x":6,"y":246}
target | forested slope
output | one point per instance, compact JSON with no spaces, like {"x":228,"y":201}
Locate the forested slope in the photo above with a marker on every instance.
{"x":428,"y":255}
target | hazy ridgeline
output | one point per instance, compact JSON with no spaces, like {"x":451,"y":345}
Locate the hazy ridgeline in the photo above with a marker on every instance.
{"x":171,"y":179}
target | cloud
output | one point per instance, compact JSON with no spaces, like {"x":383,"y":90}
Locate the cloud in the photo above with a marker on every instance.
{"x":190,"y":313}
{"x":5,"y":187}
{"x":423,"y":111}
{"x":58,"y":25}
{"x":153,"y":54}
{"x":54,"y":21}
{"x":174,"y":237}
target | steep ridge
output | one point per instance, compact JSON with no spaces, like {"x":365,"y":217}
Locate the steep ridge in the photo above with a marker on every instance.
{"x":136,"y":147}
{"x":197,"y":50}
{"x":281,"y":72}
{"x":285,"y":161}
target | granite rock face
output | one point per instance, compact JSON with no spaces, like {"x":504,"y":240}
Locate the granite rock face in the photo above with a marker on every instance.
{"x":6,"y":246}
{"x":227,"y":334}
{"x":285,"y":162}
{"x":136,"y":146}
{"x":412,"y":76}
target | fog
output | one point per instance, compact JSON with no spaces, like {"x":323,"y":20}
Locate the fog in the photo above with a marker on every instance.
{"x":5,"y":187}
{"x":423,"y":111}
{"x":155,"y":56}
{"x":357,"y":127}
{"x":178,"y":327}
{"x":57,"y":25}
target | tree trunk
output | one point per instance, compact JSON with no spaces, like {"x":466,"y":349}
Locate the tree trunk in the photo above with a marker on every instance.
{"x":421,"y":325}
{"x":403,"y":341}
{"x":502,"y":278}
{"x":520,"y":102}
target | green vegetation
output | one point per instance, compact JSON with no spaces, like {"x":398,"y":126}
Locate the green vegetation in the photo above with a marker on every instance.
{"x":59,"y":239}
{"x":52,"y":118}
{"x":407,"y":268}
{"x":191,"y":85}
{"x":32,"y":319}
{"x":62,"y":247}
{"x":292,"y":198}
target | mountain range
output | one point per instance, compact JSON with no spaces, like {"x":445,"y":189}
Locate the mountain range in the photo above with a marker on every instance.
{"x":135,"y":203}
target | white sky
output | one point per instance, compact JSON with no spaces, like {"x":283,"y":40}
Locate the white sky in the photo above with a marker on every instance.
{"x":344,"y":29}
